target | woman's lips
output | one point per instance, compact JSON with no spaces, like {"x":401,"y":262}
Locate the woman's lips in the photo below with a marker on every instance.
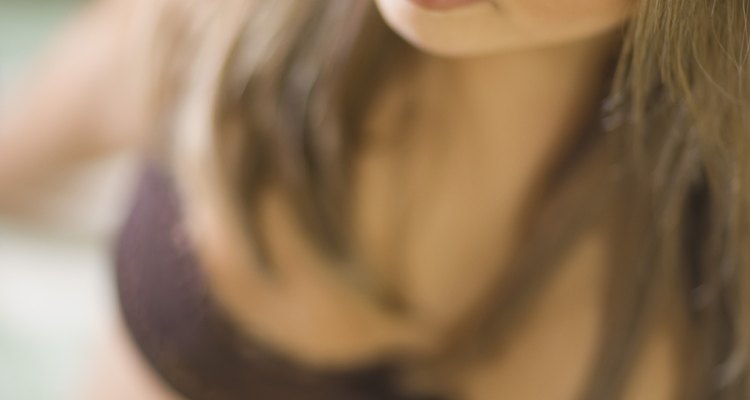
{"x":443,"y":4}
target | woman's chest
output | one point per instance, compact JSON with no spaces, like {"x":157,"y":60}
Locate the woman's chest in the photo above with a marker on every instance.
{"x":440,"y":227}
{"x":434,"y":212}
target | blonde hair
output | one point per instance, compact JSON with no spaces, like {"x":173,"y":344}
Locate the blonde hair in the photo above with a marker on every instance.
{"x":273,"y":93}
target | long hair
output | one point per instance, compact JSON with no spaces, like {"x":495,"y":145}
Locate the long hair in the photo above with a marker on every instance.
{"x":273,"y":94}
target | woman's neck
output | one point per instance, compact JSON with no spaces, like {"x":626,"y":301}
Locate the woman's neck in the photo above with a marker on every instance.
{"x":481,"y":134}
{"x":547,"y":93}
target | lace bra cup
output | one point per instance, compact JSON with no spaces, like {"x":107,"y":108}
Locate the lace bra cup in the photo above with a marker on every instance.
{"x":184,"y":336}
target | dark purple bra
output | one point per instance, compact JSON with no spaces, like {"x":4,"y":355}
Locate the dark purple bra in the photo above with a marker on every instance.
{"x":184,"y":335}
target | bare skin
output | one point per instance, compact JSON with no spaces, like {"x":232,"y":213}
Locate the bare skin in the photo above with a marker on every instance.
{"x":68,"y":113}
{"x":467,"y":175}
{"x":463,"y":173}
{"x":51,"y":130}
{"x":488,"y":127}
{"x":119,"y":371}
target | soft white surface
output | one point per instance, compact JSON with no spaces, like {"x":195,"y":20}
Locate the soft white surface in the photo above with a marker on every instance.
{"x":54,"y":296}
{"x":56,"y":292}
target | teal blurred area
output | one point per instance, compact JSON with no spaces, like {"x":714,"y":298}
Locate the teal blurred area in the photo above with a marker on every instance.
{"x":55,"y":287}
{"x":25,"y":25}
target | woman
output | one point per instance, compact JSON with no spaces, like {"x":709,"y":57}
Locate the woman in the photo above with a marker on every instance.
{"x":412,"y":199}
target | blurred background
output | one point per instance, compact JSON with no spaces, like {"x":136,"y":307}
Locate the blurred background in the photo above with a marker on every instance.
{"x":55,"y":290}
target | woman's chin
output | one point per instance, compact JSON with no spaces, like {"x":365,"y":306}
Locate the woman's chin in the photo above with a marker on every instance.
{"x":474,"y":29}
